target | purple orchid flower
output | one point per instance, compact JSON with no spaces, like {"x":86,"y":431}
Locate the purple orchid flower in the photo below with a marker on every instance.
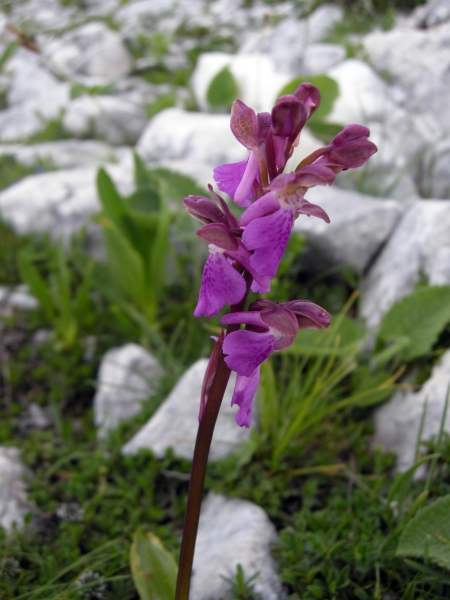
{"x":289,"y":115}
{"x":270,"y":327}
{"x":239,"y":180}
{"x":222,"y":283}
{"x":350,"y":149}
{"x":269,"y":221}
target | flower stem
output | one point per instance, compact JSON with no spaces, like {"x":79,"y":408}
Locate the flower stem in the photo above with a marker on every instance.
{"x":200,"y":462}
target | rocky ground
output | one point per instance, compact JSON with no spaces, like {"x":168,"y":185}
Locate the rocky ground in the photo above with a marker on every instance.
{"x":83,"y":84}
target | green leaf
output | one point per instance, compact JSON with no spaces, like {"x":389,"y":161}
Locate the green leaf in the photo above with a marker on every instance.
{"x":420,"y":317}
{"x":153,"y":568}
{"x":223,"y":90}
{"x":428,"y":534}
{"x":146,"y":198}
{"x":113,"y":204}
{"x":38,"y":287}
{"x":177,"y":185}
{"x":125,"y":263}
{"x":322,"y":130}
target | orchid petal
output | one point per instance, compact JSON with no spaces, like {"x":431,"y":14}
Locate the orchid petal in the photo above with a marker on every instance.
{"x":244,"y":124}
{"x":229,"y":176}
{"x":246,"y":350}
{"x":221,"y":284}
{"x":243,"y":191}
{"x":313,"y":210}
{"x":244,"y":392}
{"x":244,"y":318}
{"x":264,"y":205}
{"x":268,"y":237}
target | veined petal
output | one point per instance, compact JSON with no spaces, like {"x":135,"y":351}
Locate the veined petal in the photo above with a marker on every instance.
{"x":244,"y":124}
{"x":244,"y":318}
{"x":244,"y":189}
{"x":221,"y":284}
{"x":244,"y":392}
{"x":246,"y":350}
{"x":308,"y":314}
{"x":264,"y":205}
{"x":229,"y":176}
{"x":268,"y":237}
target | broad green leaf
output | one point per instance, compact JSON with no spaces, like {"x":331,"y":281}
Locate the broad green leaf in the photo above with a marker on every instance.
{"x":126,"y":265}
{"x":177,"y":185}
{"x":38,"y":287}
{"x":223,"y":90}
{"x":112,"y":202}
{"x":329,"y":91}
{"x":153,"y":568}
{"x":146,"y":198}
{"x":427,"y":535}
{"x":322,"y":130}
{"x":402,"y":481}
{"x":420,"y":317}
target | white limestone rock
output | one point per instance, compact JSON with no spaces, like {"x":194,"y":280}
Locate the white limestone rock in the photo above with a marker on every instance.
{"x":433,"y":12}
{"x":34,"y":97}
{"x":418,"y":62}
{"x":176,"y":134}
{"x":63,"y":154}
{"x":419,"y":246}
{"x":231,"y":532}
{"x":91,"y":49}
{"x":397,"y":422}
{"x":127,"y":376}
{"x":18,"y":298}
{"x":434,"y":171}
{"x":108,"y":118}
{"x":286,"y":42}
{"x":59,"y":202}
{"x":175,"y":423}
{"x":366,"y":99}
{"x":359,"y":226}
{"x":319,"y":58}
{"x":258,"y":78}
{"x":13,"y":499}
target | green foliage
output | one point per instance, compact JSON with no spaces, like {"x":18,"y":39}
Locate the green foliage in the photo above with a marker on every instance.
{"x":162,"y":102}
{"x":427,"y":535}
{"x":309,"y":385}
{"x":329,"y":91}
{"x":153,"y":568}
{"x":222,"y":91}
{"x":136,"y":235}
{"x":241,"y":587}
{"x":63,"y":293}
{"x":413,"y":324}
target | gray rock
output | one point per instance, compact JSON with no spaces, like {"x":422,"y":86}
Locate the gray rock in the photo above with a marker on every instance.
{"x":58,"y":202}
{"x":433,"y":12}
{"x":258,"y":78}
{"x":232,"y":532}
{"x":13,"y":500}
{"x":127,"y":376}
{"x":175,"y":134}
{"x":34,"y":96}
{"x":18,"y":298}
{"x":35,"y":417}
{"x":91,"y":49}
{"x":366,"y":99}
{"x":318,"y":58}
{"x":108,"y":118}
{"x":419,"y":63}
{"x":419,"y":247}
{"x":434,"y":172}
{"x":63,"y":154}
{"x":397,"y":423}
{"x":359,"y":226}
{"x":287,"y":41}
{"x":175,"y":423}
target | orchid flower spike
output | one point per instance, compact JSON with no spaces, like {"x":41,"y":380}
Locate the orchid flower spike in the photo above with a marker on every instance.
{"x":270,"y":327}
